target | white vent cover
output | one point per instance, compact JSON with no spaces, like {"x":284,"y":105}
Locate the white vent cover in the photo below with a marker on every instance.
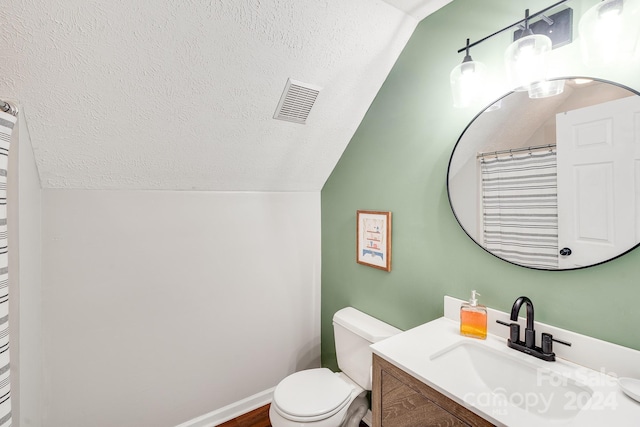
{"x":296,"y":101}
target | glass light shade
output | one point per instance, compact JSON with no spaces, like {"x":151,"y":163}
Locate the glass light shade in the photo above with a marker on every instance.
{"x":468,"y":83}
{"x":526,"y":60}
{"x":546,"y":88}
{"x":610,"y":31}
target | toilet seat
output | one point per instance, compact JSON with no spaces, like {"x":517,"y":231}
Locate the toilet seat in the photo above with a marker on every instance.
{"x":311,"y":395}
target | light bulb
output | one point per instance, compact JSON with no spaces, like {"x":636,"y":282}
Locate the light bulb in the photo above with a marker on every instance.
{"x":467,"y":83}
{"x":526,"y":60}
{"x":609,"y":32}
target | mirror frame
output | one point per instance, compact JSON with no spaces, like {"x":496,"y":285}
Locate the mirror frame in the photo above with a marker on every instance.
{"x":636,"y":92}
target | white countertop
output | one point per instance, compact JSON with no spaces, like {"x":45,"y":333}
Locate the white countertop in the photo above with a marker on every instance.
{"x":412,"y":352}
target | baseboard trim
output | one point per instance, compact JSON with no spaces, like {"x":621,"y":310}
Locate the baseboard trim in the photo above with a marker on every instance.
{"x":231,"y":411}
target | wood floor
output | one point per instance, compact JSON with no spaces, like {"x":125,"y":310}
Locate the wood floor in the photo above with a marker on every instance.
{"x":256,"y":418}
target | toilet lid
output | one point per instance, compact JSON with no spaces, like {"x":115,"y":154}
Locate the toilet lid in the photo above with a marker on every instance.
{"x":311,"y":394}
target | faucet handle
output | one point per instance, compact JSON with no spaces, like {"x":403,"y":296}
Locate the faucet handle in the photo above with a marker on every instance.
{"x":514,"y":330}
{"x":547,"y":343}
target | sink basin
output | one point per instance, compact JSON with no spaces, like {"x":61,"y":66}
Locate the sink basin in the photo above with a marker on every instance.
{"x":497,"y":382}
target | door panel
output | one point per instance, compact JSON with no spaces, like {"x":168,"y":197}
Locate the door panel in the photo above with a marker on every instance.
{"x":594,"y":199}
{"x":598,"y":181}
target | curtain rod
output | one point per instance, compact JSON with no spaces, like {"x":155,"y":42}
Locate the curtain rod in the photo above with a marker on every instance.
{"x":8,"y":108}
{"x":549,"y":147}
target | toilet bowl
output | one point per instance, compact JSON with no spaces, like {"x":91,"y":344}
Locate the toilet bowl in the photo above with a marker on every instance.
{"x":316,"y":397}
{"x":320,"y":398}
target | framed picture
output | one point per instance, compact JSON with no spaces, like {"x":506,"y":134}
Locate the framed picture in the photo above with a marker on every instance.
{"x":373,"y":239}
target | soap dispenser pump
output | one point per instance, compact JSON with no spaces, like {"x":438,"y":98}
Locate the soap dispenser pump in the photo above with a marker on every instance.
{"x":473,"y":318}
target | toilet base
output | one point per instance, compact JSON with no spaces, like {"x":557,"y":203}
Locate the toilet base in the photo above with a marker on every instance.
{"x":356,"y":411}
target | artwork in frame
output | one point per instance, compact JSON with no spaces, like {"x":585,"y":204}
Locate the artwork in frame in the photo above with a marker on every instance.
{"x":373,"y":239}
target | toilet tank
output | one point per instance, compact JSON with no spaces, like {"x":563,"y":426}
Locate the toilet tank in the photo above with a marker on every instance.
{"x":354,"y":332}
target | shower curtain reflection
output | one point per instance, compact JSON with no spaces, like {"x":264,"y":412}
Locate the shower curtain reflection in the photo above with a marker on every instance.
{"x":520,"y":208}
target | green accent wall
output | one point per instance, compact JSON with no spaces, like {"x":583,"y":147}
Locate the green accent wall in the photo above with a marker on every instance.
{"x":397,"y":161}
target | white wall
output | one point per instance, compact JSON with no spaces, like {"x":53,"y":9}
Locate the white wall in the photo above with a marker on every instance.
{"x":159,"y":307}
{"x":30,"y":208}
{"x":14,"y":270}
{"x":24,"y":207}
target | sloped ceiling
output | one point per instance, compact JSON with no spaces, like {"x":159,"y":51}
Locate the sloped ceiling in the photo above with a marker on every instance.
{"x":180,"y":94}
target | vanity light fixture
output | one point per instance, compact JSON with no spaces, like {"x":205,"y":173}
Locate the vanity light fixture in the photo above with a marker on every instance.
{"x":467,"y":81}
{"x":546,"y":88}
{"x":610,"y":32}
{"x":525,"y":58}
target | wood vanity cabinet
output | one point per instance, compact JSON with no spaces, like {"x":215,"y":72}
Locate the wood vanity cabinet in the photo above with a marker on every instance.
{"x":400,"y":400}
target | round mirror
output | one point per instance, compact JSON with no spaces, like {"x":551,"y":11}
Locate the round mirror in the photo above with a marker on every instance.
{"x":551,"y":179}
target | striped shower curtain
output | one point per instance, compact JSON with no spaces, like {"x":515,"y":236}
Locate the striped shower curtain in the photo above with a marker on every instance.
{"x":7,"y":121}
{"x":520,"y":208}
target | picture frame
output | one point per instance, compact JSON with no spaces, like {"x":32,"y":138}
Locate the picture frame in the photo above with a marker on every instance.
{"x":373,"y":239}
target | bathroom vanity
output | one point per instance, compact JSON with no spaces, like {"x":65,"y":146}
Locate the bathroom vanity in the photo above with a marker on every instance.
{"x":401,"y":400}
{"x":432,"y":376}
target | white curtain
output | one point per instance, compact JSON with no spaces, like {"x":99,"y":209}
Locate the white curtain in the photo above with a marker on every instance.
{"x":7,"y":121}
{"x":520,"y":208}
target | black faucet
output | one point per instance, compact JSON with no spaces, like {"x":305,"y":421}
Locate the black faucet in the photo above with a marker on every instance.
{"x":528,"y":346}
{"x":529,"y":332}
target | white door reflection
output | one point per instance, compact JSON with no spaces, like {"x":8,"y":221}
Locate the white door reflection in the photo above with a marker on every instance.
{"x":597,"y":173}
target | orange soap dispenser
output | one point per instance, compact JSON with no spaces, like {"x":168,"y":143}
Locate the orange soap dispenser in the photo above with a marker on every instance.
{"x":473,"y":318}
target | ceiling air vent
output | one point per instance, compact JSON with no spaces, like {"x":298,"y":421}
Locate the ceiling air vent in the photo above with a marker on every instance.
{"x":296,"y":101}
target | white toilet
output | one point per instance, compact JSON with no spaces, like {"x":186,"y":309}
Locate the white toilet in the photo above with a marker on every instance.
{"x":321,"y":398}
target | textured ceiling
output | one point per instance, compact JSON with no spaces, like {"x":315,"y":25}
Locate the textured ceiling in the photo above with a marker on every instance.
{"x":180,"y":94}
